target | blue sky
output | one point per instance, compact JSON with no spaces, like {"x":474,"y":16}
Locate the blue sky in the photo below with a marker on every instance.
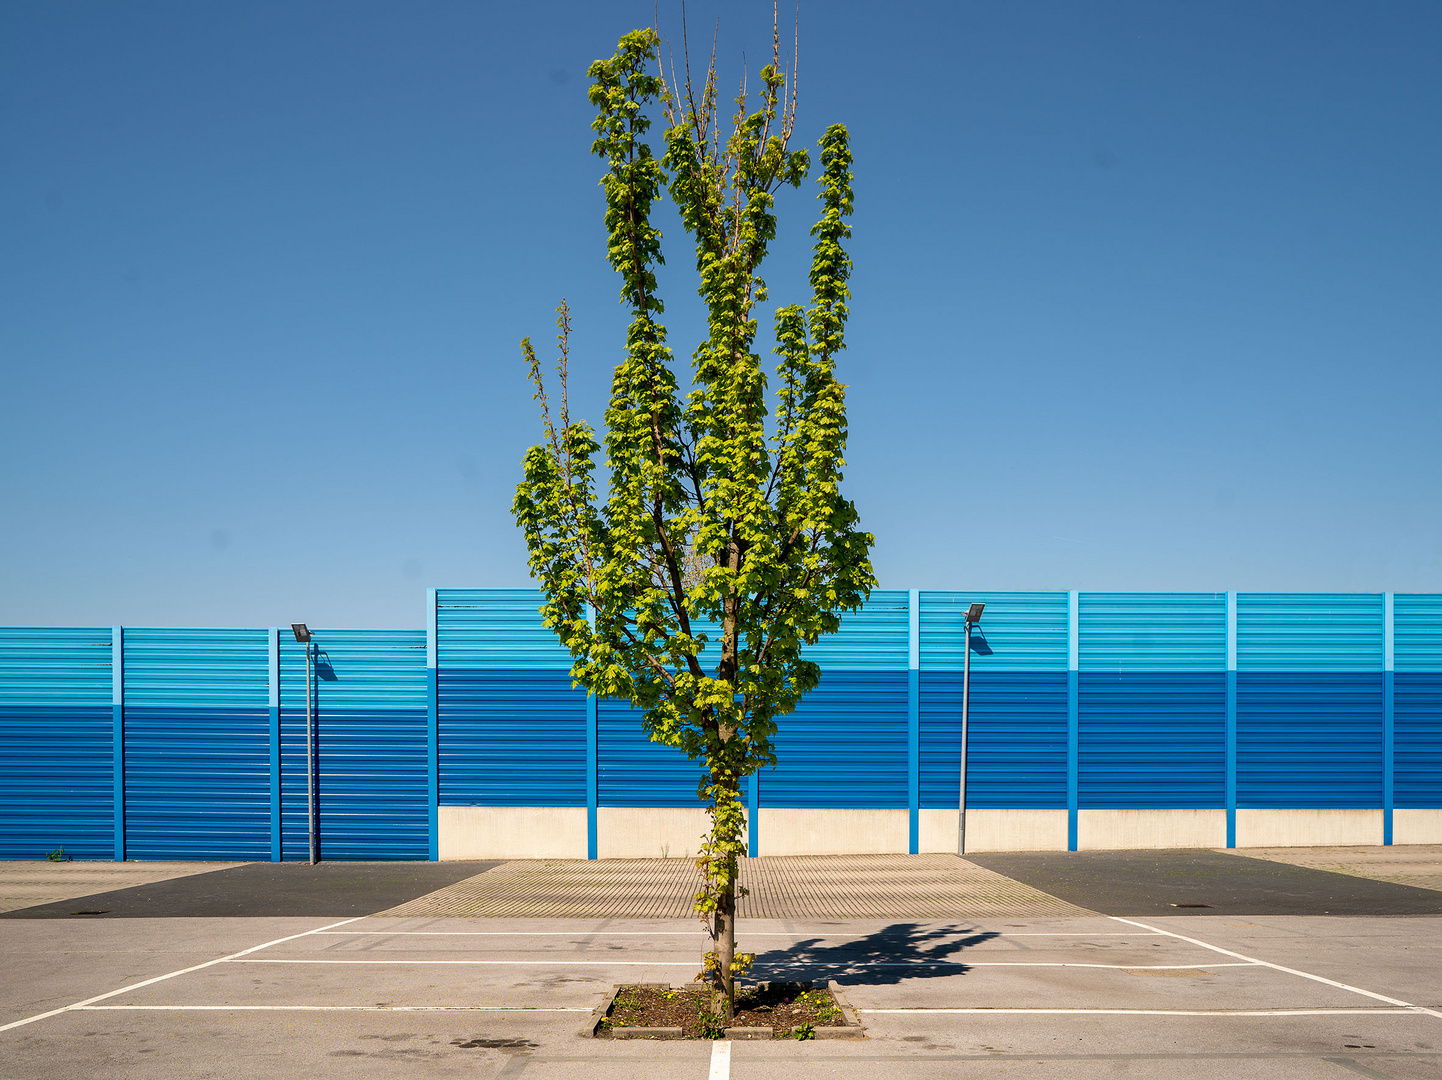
{"x":1147,"y":295}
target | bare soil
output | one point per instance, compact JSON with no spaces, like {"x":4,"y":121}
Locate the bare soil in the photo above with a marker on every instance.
{"x":790,"y":1010}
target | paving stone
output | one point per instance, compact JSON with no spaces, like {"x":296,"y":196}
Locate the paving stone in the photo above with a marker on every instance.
{"x":779,"y":887}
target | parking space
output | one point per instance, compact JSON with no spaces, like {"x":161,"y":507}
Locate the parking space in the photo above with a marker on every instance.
{"x":1180,"y":997}
{"x":1184,"y":996}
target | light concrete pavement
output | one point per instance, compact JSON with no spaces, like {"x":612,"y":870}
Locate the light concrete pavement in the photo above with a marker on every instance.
{"x":1184,"y":997}
{"x":27,"y":882}
{"x":1419,"y":865}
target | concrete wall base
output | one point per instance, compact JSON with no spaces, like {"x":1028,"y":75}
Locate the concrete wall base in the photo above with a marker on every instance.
{"x":549,"y":832}
{"x":996,"y":830}
{"x":832,"y":832}
{"x":1110,"y":830}
{"x":1417,"y":826}
{"x":512,"y":832}
{"x":1309,"y":828}
{"x":644,"y":832}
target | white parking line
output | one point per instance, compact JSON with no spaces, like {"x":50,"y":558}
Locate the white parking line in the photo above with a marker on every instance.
{"x":689,"y":933}
{"x":721,"y":1060}
{"x":780,"y":963}
{"x":161,"y":978}
{"x":1075,"y":933}
{"x":532,"y":933}
{"x":1289,"y":971}
{"x":1159,"y":1012}
{"x":322,"y":1008}
{"x":511,"y":963}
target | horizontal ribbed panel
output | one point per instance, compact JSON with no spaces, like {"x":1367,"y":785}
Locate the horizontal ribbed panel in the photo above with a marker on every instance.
{"x":1309,"y":632}
{"x":56,"y":753}
{"x":496,"y":628}
{"x":1151,"y":740}
{"x":197,"y":744}
{"x":1417,"y":632}
{"x":844,"y":746}
{"x":1158,"y":632}
{"x":511,"y":738}
{"x":1417,"y":738}
{"x":878,"y":637}
{"x":631,"y":770}
{"x":1309,"y":739}
{"x":371,"y":745}
{"x":1017,"y":739}
{"x":1019,"y":631}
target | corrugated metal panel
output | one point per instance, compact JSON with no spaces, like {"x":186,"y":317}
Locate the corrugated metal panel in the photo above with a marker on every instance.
{"x":1019,"y":631}
{"x":1017,"y":751}
{"x":634,"y":771}
{"x":1309,"y":632}
{"x":197,"y":744}
{"x":512,"y":728}
{"x":56,"y":758}
{"x":511,"y":738}
{"x":1417,"y":626}
{"x":1309,"y":739}
{"x":1161,"y":632}
{"x":370,"y":745}
{"x":1417,"y":778}
{"x":1151,"y":739}
{"x":845,"y":746}
{"x":496,"y":629}
{"x":876,"y":638}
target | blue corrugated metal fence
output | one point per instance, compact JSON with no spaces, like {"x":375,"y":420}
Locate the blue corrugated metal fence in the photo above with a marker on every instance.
{"x":146,"y":743}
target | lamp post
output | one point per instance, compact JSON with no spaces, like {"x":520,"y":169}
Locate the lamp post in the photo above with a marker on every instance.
{"x":972,"y":617}
{"x":303,"y":635}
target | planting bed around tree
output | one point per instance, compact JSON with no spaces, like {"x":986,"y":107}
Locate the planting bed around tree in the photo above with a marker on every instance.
{"x":776,"y":1010}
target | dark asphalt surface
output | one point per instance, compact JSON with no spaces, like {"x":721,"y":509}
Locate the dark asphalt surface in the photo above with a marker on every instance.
{"x":1203,"y":883}
{"x":326,"y":890}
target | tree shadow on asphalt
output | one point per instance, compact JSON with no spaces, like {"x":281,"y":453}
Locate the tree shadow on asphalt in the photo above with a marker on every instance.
{"x":896,"y":952}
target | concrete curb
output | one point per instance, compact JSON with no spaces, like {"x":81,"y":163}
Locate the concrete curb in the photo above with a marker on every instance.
{"x":851,"y":1020}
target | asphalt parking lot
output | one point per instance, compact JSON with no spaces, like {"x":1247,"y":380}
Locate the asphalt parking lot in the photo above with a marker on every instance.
{"x":1192,"y":993}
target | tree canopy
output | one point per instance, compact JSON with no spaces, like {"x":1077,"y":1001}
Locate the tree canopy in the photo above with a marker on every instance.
{"x":721,"y":548}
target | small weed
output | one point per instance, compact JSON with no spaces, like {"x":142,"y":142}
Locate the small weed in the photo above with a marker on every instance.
{"x":58,"y":855}
{"x":712,"y":1026}
{"x":802,"y":1032}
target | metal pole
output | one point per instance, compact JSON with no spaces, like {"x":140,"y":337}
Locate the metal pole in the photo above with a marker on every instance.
{"x":309,"y":758}
{"x":965,"y":708}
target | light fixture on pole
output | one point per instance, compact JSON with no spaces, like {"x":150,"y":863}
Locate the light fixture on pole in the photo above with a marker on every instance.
{"x":303,"y":635}
{"x":972,"y":617}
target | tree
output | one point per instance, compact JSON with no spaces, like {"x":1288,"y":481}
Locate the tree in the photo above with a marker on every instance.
{"x":722,"y":549}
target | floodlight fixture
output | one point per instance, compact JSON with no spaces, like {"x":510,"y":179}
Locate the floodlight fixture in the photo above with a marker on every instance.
{"x":302,"y":634}
{"x":973,"y":613}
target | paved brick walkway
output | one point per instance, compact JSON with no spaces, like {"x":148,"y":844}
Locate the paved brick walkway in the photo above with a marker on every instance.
{"x":799,"y":887}
{"x":1419,"y":865}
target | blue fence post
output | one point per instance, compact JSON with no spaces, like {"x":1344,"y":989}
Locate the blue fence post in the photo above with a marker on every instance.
{"x":913,"y":725}
{"x":276,"y":823}
{"x":117,"y":736}
{"x":593,"y":754}
{"x":433,"y":723}
{"x":753,"y":814}
{"x":1073,"y":654}
{"x":593,"y":762}
{"x":1389,"y":689}
{"x":1231,"y":730}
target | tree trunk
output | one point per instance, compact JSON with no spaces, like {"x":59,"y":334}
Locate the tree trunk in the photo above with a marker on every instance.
{"x":724,"y":931}
{"x":725,"y":927}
